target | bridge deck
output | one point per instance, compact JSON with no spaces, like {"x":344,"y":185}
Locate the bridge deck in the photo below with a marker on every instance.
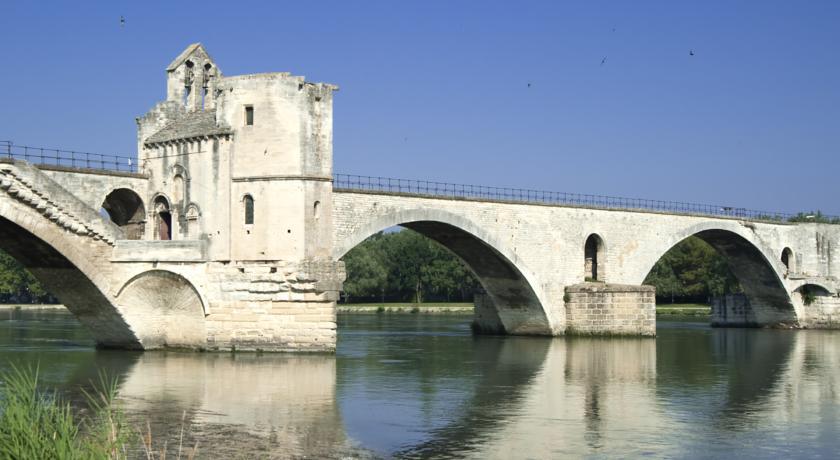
{"x":422,"y":188}
{"x":58,"y":158}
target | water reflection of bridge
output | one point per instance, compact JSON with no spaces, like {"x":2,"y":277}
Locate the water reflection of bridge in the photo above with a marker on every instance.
{"x":511,"y":398}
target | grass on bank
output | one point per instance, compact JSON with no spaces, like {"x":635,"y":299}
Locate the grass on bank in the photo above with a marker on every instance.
{"x":35,"y":424}
{"x":406,"y":307}
{"x":686,"y":309}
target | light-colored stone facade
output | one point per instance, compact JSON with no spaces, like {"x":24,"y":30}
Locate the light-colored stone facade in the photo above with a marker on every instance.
{"x":543,"y":248}
{"x":231,"y":235}
{"x":610,"y":309}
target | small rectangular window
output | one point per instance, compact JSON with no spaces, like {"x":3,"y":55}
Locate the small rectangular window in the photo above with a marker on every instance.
{"x":249,"y":115}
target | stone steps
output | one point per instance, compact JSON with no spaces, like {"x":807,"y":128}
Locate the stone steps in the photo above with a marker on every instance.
{"x":17,"y":185}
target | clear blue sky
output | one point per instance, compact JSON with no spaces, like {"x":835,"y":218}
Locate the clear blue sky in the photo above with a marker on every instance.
{"x":439,"y":90}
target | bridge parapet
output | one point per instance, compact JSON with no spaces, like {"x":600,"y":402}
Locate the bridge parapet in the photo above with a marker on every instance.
{"x":68,"y":158}
{"x":27,"y":184}
{"x":425,"y":188}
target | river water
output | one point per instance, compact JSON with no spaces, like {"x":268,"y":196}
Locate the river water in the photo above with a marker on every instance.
{"x":422,"y":386}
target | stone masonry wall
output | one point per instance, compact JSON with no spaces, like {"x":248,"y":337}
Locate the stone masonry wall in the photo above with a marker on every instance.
{"x":822,"y":313}
{"x":732,"y":310}
{"x":279,"y":306}
{"x":546,"y":243}
{"x":91,"y":186}
{"x":610,"y":309}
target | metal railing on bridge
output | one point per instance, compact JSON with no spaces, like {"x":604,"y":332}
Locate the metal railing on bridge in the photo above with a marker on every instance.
{"x":67,"y":158}
{"x":76,"y":159}
{"x":519,"y":195}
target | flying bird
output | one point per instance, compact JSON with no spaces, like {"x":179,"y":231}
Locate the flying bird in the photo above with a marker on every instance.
{"x":122,"y":21}
{"x":603,"y":60}
{"x":691,"y":52}
{"x":529,"y":85}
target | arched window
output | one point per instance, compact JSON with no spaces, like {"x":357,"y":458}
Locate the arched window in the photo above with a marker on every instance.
{"x":163,"y":219}
{"x":593,"y":254}
{"x":249,"y":209}
{"x":787,"y":260}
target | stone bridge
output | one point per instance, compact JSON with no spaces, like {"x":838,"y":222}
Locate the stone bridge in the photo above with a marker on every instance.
{"x":529,"y":257}
{"x":228,"y":232}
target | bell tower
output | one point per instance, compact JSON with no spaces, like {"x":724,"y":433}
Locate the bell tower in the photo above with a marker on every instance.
{"x":191,"y":79}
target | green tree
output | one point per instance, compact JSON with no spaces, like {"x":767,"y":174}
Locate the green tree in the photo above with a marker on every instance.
{"x":692,"y":269}
{"x":407,"y":266}
{"x":17,"y":283}
{"x":367,"y":274}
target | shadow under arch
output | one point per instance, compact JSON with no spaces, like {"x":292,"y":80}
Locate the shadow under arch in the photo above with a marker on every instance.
{"x":513,"y":302}
{"x":757,"y":272}
{"x":69,"y":281}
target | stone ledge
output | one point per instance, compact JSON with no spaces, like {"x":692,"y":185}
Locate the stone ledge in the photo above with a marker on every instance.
{"x":159,"y":251}
{"x":604,"y":287}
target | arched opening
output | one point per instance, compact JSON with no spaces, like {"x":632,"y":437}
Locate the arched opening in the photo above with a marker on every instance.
{"x":811,"y":294}
{"x":730,"y":273}
{"x":504,"y":301}
{"x":248,"y":204}
{"x":787,"y":260}
{"x":163,"y":219}
{"x":189,"y":75}
{"x":125,"y":209}
{"x":593,"y":258}
{"x":60,"y":277}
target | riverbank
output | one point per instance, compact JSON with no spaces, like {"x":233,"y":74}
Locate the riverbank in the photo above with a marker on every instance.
{"x":30,"y":307}
{"x":458,"y":308}
{"x":684,"y":309}
{"x":444,"y":308}
{"x":461,"y":308}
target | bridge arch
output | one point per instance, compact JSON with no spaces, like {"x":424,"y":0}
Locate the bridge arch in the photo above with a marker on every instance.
{"x":759,"y":270}
{"x":511,"y":297}
{"x":66,"y":264}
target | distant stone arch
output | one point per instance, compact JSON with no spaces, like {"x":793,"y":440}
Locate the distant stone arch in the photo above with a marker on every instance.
{"x":759,"y":273}
{"x":511,"y":299}
{"x":125,"y":208}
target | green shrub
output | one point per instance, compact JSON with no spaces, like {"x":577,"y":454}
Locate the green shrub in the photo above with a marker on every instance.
{"x":36,"y":424}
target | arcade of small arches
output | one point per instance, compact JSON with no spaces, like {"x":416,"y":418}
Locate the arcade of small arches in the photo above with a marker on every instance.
{"x":125,"y":208}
